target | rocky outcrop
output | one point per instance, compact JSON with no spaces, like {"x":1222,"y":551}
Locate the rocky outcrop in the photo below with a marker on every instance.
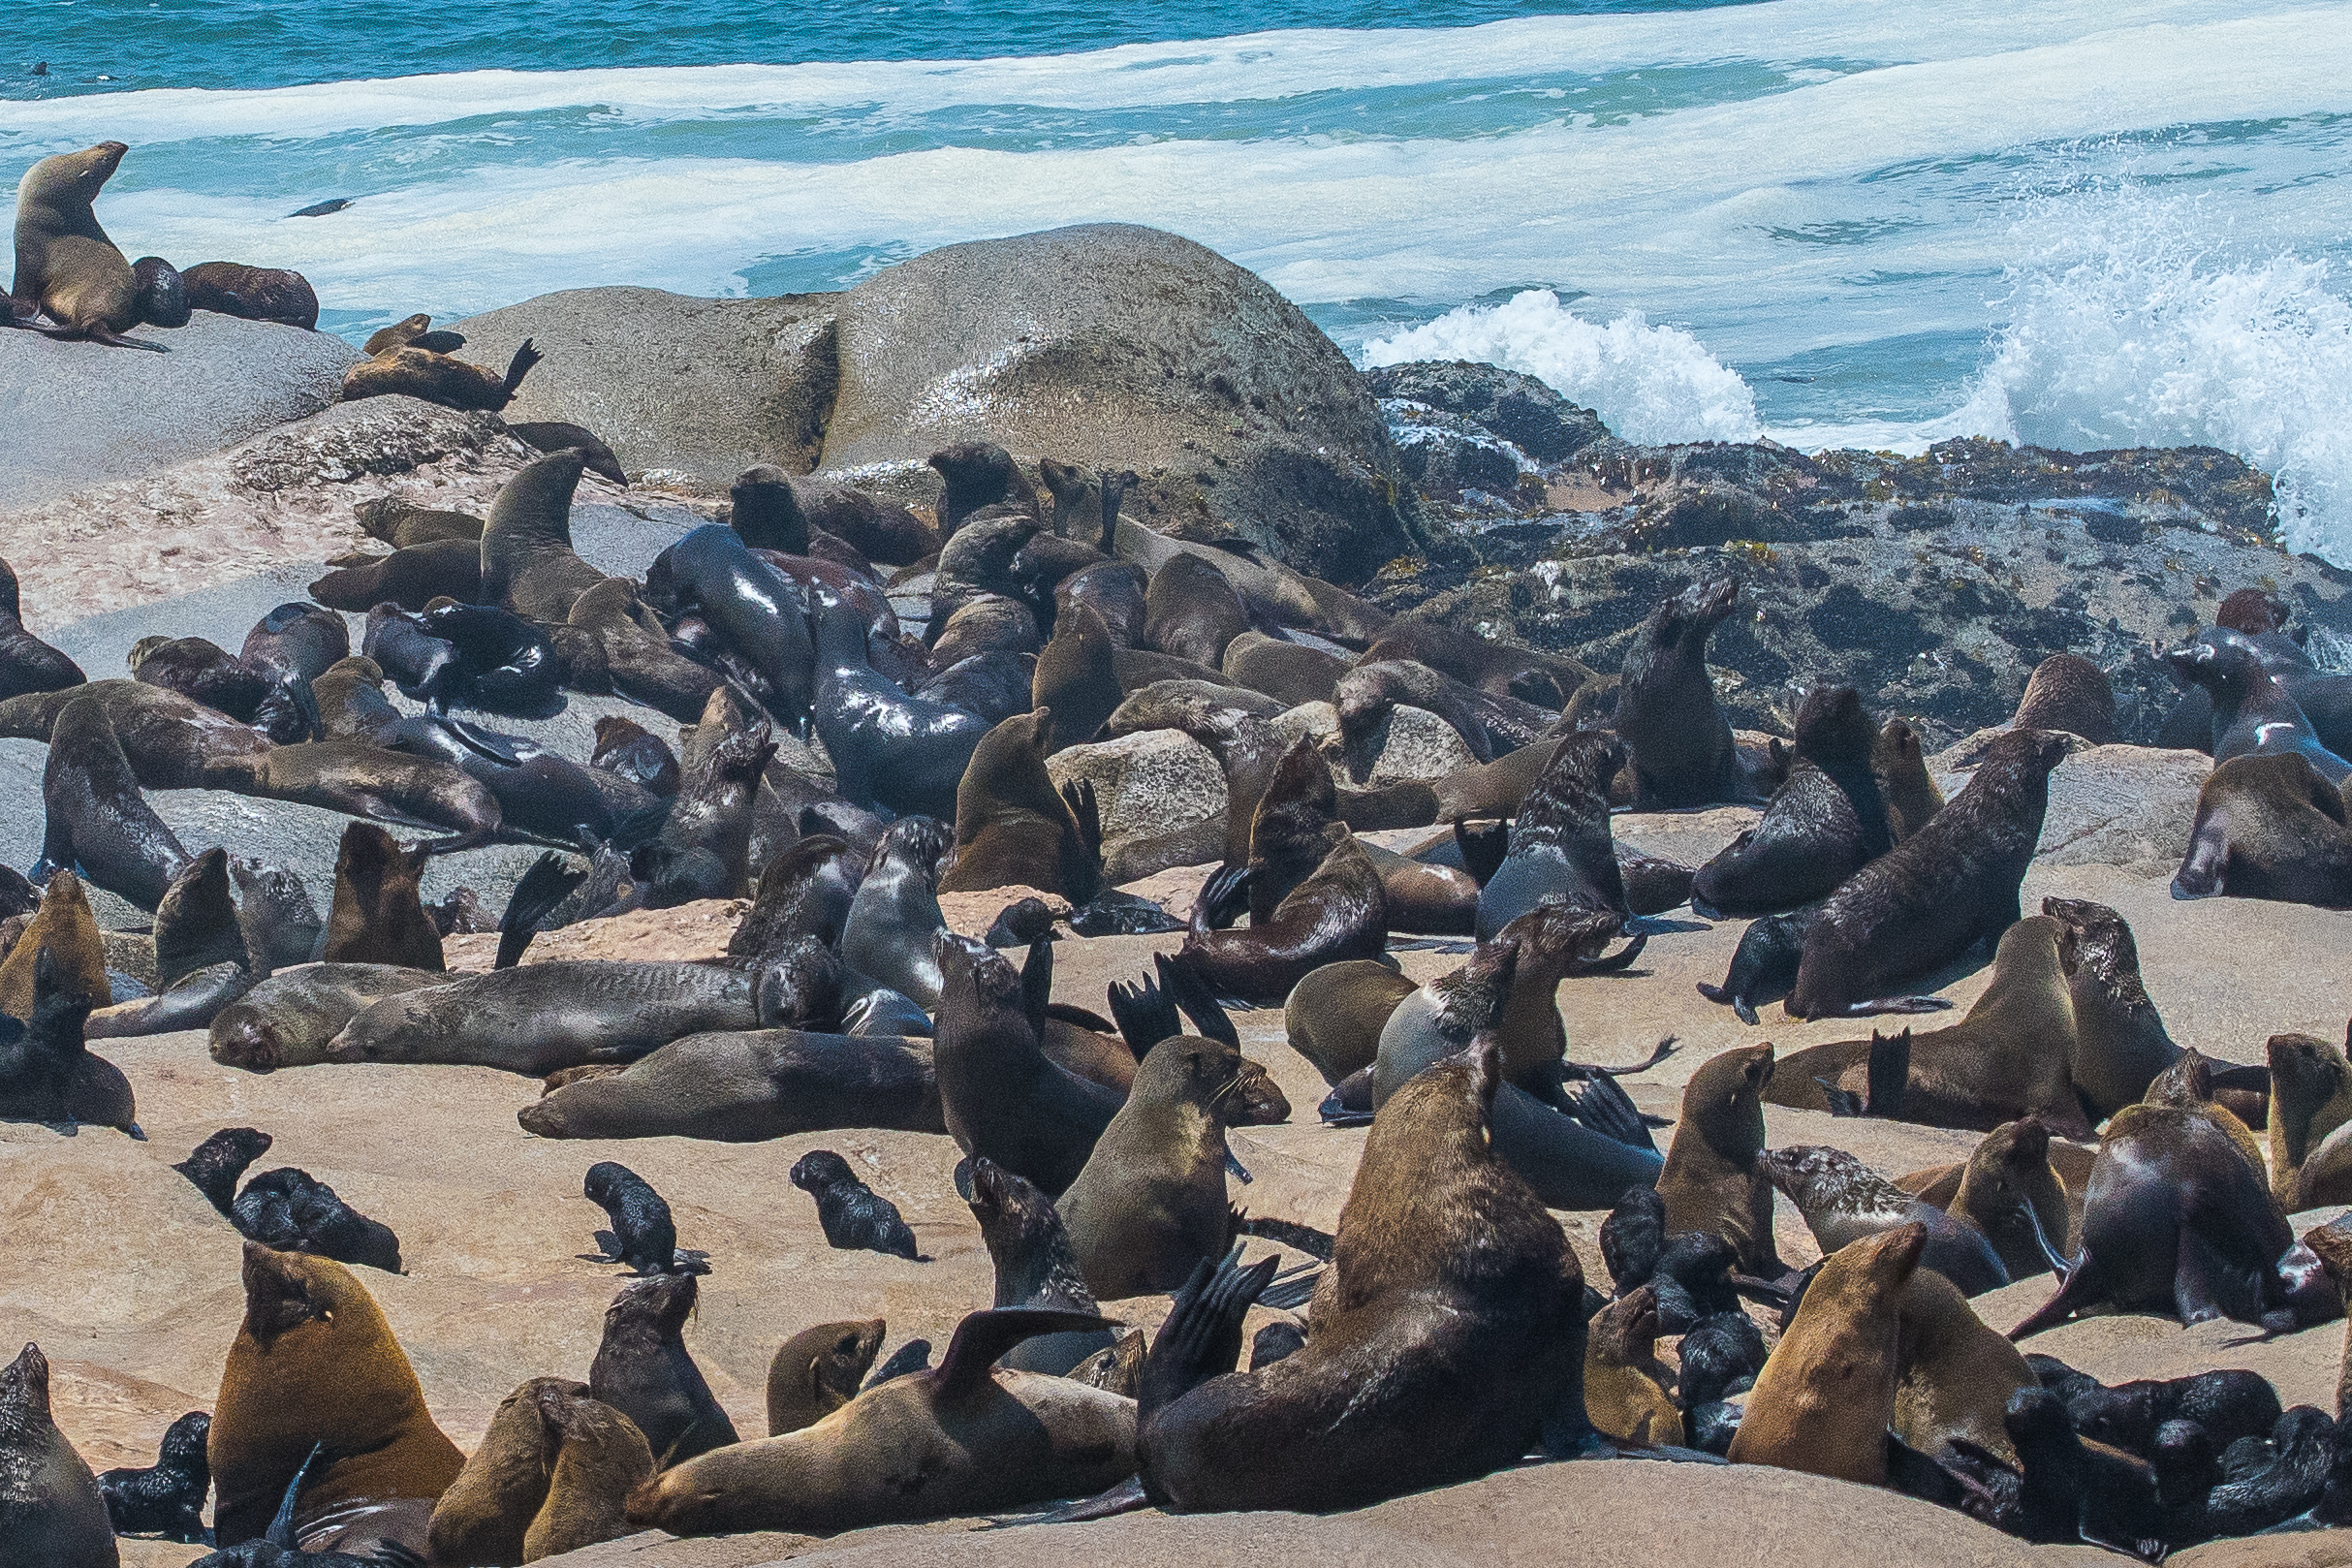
{"x":1113,"y":346}
{"x":691,"y":390}
{"x":1410,"y":742}
{"x":2125,"y":806}
{"x":1934,"y":585}
{"x":80,"y":414}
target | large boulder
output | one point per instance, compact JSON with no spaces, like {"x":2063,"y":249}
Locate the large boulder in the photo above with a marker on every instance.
{"x":82,"y":413}
{"x":2126,"y":806}
{"x":1162,"y":799}
{"x":701,"y":388}
{"x":1114,"y":346}
{"x":1410,"y":743}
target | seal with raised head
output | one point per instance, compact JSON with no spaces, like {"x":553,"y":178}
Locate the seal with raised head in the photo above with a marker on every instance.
{"x":978,"y":1436}
{"x":46,"y":1072}
{"x":1561,"y":845}
{"x":1035,"y":1265}
{"x":1076,"y":677}
{"x":28,"y":664}
{"x":64,"y":263}
{"x":1002,"y":1097}
{"x":439,"y":378}
{"x":2009,"y":1191}
{"x":63,"y":927}
{"x":2068,"y":692}
{"x":1935,"y":895}
{"x":1449,"y":1332}
{"x":316,"y":1365}
{"x":168,"y":1497}
{"x":1910,"y":789}
{"x":1714,"y":1180}
{"x":97,"y":820}
{"x":376,"y":915}
{"x":817,"y":1371}
{"x":600,"y":1459}
{"x":643,"y":1370}
{"x":50,"y":1502}
{"x":977,"y":474}
{"x":1012,"y":825}
{"x":2311,"y":1099}
{"x":2253,"y":713}
{"x":1827,"y":1394}
{"x":2269,"y":827}
{"x":528,"y":564}
{"x":1681,"y":743}
{"x":1626,"y":1393}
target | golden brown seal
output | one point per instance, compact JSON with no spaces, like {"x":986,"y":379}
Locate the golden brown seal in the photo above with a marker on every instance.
{"x":2310,"y":1098}
{"x":1625,"y":1386}
{"x":817,"y":1371}
{"x":486,"y":1511}
{"x":64,"y":263}
{"x":1714,"y":1181}
{"x":378,"y":915}
{"x":1955,"y":1375}
{"x":1012,"y":828}
{"x":62,"y":925}
{"x":1149,"y":1206}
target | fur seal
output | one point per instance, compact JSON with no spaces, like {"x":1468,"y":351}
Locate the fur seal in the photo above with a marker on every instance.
{"x":282,"y":709}
{"x":411,"y":578}
{"x":63,"y":927}
{"x":1625,"y":1387}
{"x":528,"y":564}
{"x":2253,"y":712}
{"x":1365,"y":697}
{"x":28,"y":664}
{"x":1034,"y":1263}
{"x":557,"y":435}
{"x":1763,"y":965}
{"x":852,"y":1215}
{"x":1192,"y":612}
{"x":271,"y":294}
{"x":1955,"y":1376}
{"x":1077,"y":678}
{"x":817,"y":1371}
{"x":2176,"y":1218}
{"x":896,"y":913}
{"x":97,"y":820}
{"x":643,"y":1370}
{"x":1114,"y":590}
{"x":2068,"y":692}
{"x":1290,"y":673}
{"x":976,"y":474}
{"x":168,"y":1498}
{"x":772,"y":510}
{"x":437,"y":378}
{"x":1012,"y":827}
{"x":644,"y":1235}
{"x":988,"y":623}
{"x":1714,"y":1180}
{"x":1002,"y":1097}
{"x":46,"y":1072}
{"x":806,"y":892}
{"x":744,"y":1087}
{"x":163,"y":294}
{"x":2119,"y":1040}
{"x":2310,"y":1098}
{"x":315,"y":1364}
{"x":365,"y":780}
{"x":1910,"y":789}
{"x":1448,"y":1276}
{"x":965,"y":1437}
{"x":1827,"y":822}
{"x":1682,"y":744}
{"x":538,"y":1017}
{"x":1933,"y":896}
{"x":401,"y":524}
{"x":755,"y":609}
{"x":288,"y":1019}
{"x":550,"y":1476}
{"x":1149,"y":1206}
{"x":173,"y":743}
{"x":1497,"y":668}
{"x":64,"y":263}
{"x":2269,"y":827}
{"x":1561,"y":845}
{"x":377,"y":915}
{"x":54,"y":1515}
{"x":633,"y":652}
{"x":2009,"y":1191}
{"x":1338,"y":913}
{"x":1826,"y":1396}
{"x":412,"y":332}
{"x":1844,"y":1199}
{"x":628,"y":750}
{"x":905,"y":753}
{"x":703,"y":848}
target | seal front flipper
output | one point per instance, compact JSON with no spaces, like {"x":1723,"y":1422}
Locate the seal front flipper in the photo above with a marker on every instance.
{"x":549,"y":882}
{"x":984,"y":1336}
{"x":1125,"y":1498}
{"x":2204,"y":1285}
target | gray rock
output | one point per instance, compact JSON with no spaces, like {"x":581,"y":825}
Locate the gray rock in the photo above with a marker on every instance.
{"x":1411,"y":742}
{"x":2125,"y":806}
{"x":702,"y":388}
{"x":1514,"y":408}
{"x":1111,"y":345}
{"x":80,"y":414}
{"x":1162,"y":799}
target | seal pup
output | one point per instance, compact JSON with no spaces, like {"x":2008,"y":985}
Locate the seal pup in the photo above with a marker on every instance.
{"x":1012,"y":827}
{"x":1149,"y":1206}
{"x":64,"y":263}
{"x":2068,"y":692}
{"x":1002,"y":1097}
{"x":1824,"y":823}
{"x":1935,"y":894}
{"x":1448,"y":1275}
{"x":643,"y":1237}
{"x":2269,"y":827}
{"x":1763,"y":965}
{"x":1714,"y":1179}
{"x":28,"y":664}
{"x":166,"y":1499}
{"x":1682,"y":744}
{"x":1826,"y":1396}
{"x":980,"y":1437}
{"x":817,"y":1371}
{"x":438,"y":378}
{"x":1337,"y":914}
{"x":163,"y":294}
{"x":1626,"y":1389}
{"x":528,"y":564}
{"x":97,"y":820}
{"x":55,"y":1514}
{"x":1911,"y":793}
{"x":271,"y":294}
{"x":315,"y":1364}
{"x":376,"y":915}
{"x":852,"y":1215}
{"x":643,"y":1370}
{"x":2310,"y":1098}
{"x":1844,"y":1199}
{"x":1561,"y":844}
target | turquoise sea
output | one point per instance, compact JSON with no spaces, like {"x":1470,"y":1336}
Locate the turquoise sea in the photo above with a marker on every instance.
{"x":1829,"y":221}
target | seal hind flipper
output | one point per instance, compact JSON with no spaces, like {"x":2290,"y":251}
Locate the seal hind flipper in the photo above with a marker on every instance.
{"x":1078,"y":796}
{"x":1146,"y":1013}
{"x":1201,"y":1337}
{"x":984,"y":1336}
{"x":1600,"y":1102}
{"x":1037,"y":984}
{"x":1292,"y":1288}
{"x":1664,"y":1048}
{"x":2206,"y":1287}
{"x":2083,"y":1286}
{"x":549,"y":882}
{"x":1842,"y":1102}
{"x":280,"y":1533}
{"x":519,"y":367}
{"x":1222,"y":898}
{"x":1199,"y":1003}
{"x":915,"y":1356}
{"x":1125,"y":1498}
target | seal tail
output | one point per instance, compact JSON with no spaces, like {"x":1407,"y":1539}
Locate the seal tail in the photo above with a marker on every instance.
{"x":548,"y":883}
{"x":518,"y":367}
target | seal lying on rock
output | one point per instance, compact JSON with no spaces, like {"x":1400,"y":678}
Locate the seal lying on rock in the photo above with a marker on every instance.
{"x":538,"y":1017}
{"x":1842,"y":1201}
{"x":288,"y":1019}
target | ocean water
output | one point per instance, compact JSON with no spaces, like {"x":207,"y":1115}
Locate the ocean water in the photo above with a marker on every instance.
{"x":1825,"y":221}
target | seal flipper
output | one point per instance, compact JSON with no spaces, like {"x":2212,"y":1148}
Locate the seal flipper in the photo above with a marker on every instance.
{"x":1202,"y":1337}
{"x":1350,"y":1102}
{"x":518,"y":367}
{"x":1146,"y":1013}
{"x":1222,"y":898}
{"x":1037,"y":984}
{"x":1125,"y":1498}
{"x":915,"y":1356}
{"x":548,"y":883}
{"x":983,"y":1335}
{"x":1888,"y":1080}
{"x":2085,"y":1285}
{"x":1199,"y":1003}
{"x":2205,"y":1286}
{"x":280,"y":1533}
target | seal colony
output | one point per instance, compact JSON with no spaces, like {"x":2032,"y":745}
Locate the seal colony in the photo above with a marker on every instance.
{"x":834,"y":708}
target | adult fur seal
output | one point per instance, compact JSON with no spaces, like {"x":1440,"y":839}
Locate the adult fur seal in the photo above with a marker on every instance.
{"x":2009,"y":1191}
{"x":817,"y":1371}
{"x":1338,"y":913}
{"x":965,"y":1437}
{"x":2310,"y":1098}
{"x":163,"y":294}
{"x":1844,"y":1199}
{"x":538,"y":1017}
{"x":558,"y":435}
{"x":282,"y":709}
{"x":489,"y":1508}
{"x":378,"y":915}
{"x":1828,"y":821}
{"x":1901,"y":766}
{"x":411,"y":578}
{"x":1936,"y":893}
{"x":1002,"y":1097}
{"x":1334,"y":1017}
{"x":28,"y":664}
{"x":315,"y":1364}
{"x":527,"y":561}
{"x":1192,"y":612}
{"x":2269,"y":827}
{"x":1013,"y":826}
{"x":64,"y":928}
{"x":894,"y":914}
{"x":1149,"y":1206}
{"x":97,"y":820}
{"x":1560,"y":846}
{"x":64,"y":263}
{"x":1714,"y":1180}
{"x":634,"y":652}
{"x":1077,"y":678}
{"x":1955,"y":1376}
{"x":743,"y":1086}
{"x":1827,"y":1394}
{"x":47,"y":1073}
{"x":1448,"y":1275}
{"x":751,"y":605}
{"x":288,"y":1019}
{"x":2253,"y":712}
{"x":50,"y":1502}
{"x":173,"y":742}
{"x":906,"y":753}
{"x":643,"y":1370}
{"x":1682,"y":752}
{"x":2068,"y":692}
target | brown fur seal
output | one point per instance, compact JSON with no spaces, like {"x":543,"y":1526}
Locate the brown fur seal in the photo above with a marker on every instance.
{"x":97,"y":820}
{"x":1844,"y":1199}
{"x":411,"y":331}
{"x":51,"y":1514}
{"x":1012,"y":828}
{"x":64,"y":928}
{"x":1824,"y":823}
{"x":2269,"y":827}
{"x":1910,"y":789}
{"x":1366,"y":697}
{"x":365,"y":780}
{"x":314,"y":1364}
{"x":1939,"y":892}
{"x":1338,"y":913}
{"x":1334,"y":1016}
{"x":961,"y":1438}
{"x":1560,"y":846}
{"x":1682,"y":752}
{"x":378,"y":915}
{"x":1291,"y":673}
{"x":2070,"y":693}
{"x":1076,"y":677}
{"x":290,"y":1018}
{"x":273,"y":294}
{"x":402,"y":524}
{"x":1033,"y":1261}
{"x":601,"y":1459}
{"x":643,"y":1370}
{"x":732,"y":1085}
{"x":1003,"y":1099}
{"x":2119,"y":1040}
{"x":2007,"y":1058}
{"x":1625,"y":1387}
{"x":1496,"y":667}
{"x":28,"y":664}
{"x":538,"y":1017}
{"x":1449,"y":1281}
{"x":1714,"y":1179}
{"x":2310,"y":1098}
{"x":163,"y":294}
{"x":1827,"y":1394}
{"x":976,"y":474}
{"x":527,"y":561}
{"x":1114,"y":590}
{"x":1149,"y":1206}
{"x":558,"y":435}
{"x":64,"y":263}
{"x":2009,"y":1191}
{"x":1192,"y":612}
{"x":2176,"y":1219}
{"x":488,"y":1510}
{"x":1955,"y":1375}
{"x":437,"y":378}
{"x":411,"y":578}
{"x":817,"y":1371}
{"x":173,"y":742}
